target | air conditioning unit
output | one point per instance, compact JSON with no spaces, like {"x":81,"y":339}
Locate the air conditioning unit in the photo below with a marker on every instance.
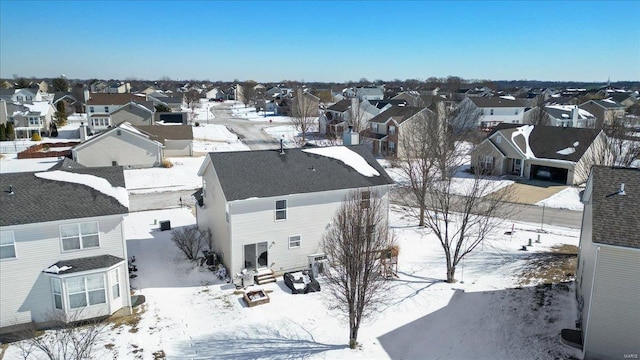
{"x":318,"y":263}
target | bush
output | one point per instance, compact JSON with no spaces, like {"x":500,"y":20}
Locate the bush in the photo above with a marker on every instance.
{"x":36,"y":137}
{"x":166,"y":163}
{"x":191,"y":241}
{"x":197,"y":124}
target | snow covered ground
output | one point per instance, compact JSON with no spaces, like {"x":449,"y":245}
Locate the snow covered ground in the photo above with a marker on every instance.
{"x":568,"y":198}
{"x":190,"y":314}
{"x":214,"y":138}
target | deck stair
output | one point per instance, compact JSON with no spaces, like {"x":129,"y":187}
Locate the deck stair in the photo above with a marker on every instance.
{"x":265,"y":276}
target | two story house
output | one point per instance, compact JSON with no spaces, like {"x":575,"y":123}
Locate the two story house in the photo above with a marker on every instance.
{"x":338,"y":117}
{"x":269,"y":209}
{"x":569,"y":116}
{"x":496,"y":110}
{"x":605,"y":111}
{"x":62,"y":246}
{"x":30,"y":118}
{"x":100,"y":106}
{"x":608,"y":268}
{"x":386,"y":128}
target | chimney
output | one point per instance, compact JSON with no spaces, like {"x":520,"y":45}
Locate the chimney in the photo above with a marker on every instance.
{"x":83,"y":132}
{"x":350,"y":137}
{"x":574,"y":116}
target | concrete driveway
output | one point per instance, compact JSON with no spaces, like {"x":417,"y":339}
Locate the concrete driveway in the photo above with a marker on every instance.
{"x":532,"y":191}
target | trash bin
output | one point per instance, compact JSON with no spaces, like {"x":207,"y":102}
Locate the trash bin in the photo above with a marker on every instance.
{"x":165,"y":225}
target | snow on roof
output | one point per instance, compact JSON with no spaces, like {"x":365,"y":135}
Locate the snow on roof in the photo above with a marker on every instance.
{"x":125,"y":125}
{"x":92,"y":181}
{"x":41,"y":107}
{"x":54,"y":269}
{"x":525,"y":131}
{"x":583,"y":114}
{"x":508,"y":97}
{"x":610,"y":101}
{"x":566,"y":151}
{"x":348,"y":157}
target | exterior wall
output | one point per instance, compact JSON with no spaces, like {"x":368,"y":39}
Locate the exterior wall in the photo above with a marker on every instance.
{"x":613,"y":312}
{"x":596,"y":154}
{"x":131,"y":115}
{"x":596,"y":110}
{"x":178,"y":148}
{"x":26,"y":294}
{"x":128,"y":150}
{"x":253,"y":221}
{"x":513,"y":115}
{"x":486,"y":149}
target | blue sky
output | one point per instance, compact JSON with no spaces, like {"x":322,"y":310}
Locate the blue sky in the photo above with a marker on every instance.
{"x":321,"y":40}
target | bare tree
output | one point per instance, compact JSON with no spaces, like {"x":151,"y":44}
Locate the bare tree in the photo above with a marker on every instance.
{"x":537,"y":115}
{"x":192,"y":99}
{"x":460,"y":213}
{"x":70,"y":337}
{"x":304,"y":113}
{"x":354,"y":242}
{"x":248,"y":92}
{"x":625,"y":149}
{"x":191,"y":240}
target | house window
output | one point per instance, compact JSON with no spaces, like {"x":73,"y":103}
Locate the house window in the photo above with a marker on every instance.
{"x":57,"y":292}
{"x":392,"y":146}
{"x":106,"y":109}
{"x":91,"y":109}
{"x":281,"y":210}
{"x":86,"y":291}
{"x":34,"y":121}
{"x":374,"y":127}
{"x":19,"y":98}
{"x":365,"y":199}
{"x":79,"y":236}
{"x":491,"y":113}
{"x":498,"y":139}
{"x":294,"y":241}
{"x":516,"y":111}
{"x":7,"y":245}
{"x":392,"y":130}
{"x":115,"y":283}
{"x":486,"y":162}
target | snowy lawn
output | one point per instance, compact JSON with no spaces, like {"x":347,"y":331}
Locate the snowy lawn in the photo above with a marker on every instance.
{"x":487,"y":315}
{"x":215,"y":138}
{"x":568,"y":198}
{"x":183,"y":175}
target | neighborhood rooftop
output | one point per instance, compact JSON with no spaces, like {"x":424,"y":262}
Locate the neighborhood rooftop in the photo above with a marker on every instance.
{"x":86,"y":264}
{"x":398,"y":113}
{"x":28,"y":199}
{"x":268,"y":173}
{"x":496,"y":102}
{"x":616,"y":217}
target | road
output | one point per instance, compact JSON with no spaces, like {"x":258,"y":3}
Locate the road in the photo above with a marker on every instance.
{"x":251,"y":133}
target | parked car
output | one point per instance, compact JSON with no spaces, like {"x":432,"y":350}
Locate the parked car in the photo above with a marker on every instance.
{"x":543,"y":173}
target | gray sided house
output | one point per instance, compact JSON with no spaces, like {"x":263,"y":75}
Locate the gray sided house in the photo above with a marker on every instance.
{"x":608,"y":270}
{"x":134,"y":113}
{"x":605,"y":111}
{"x":387,"y":128}
{"x":269,"y":209}
{"x":559,"y":154}
{"x":123,"y":145}
{"x":62,"y":246}
{"x":176,"y":139}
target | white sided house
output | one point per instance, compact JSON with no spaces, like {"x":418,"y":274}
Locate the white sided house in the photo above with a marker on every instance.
{"x":124,"y":145}
{"x":268,"y":210}
{"x":608,"y":270}
{"x":62,"y":246}
{"x":496,"y":110}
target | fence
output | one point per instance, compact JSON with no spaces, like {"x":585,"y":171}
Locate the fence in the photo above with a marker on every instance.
{"x":42,"y":150}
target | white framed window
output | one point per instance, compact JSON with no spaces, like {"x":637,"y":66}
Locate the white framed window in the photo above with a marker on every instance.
{"x":7,"y":245}
{"x":294,"y":241}
{"x":281,"y":210}
{"x":19,"y":98}
{"x":392,"y":130}
{"x":91,"y":109}
{"x":365,"y":199}
{"x":79,"y":236}
{"x":85,"y":291}
{"x":115,"y":283}
{"x":491,"y":112}
{"x":56,"y":285}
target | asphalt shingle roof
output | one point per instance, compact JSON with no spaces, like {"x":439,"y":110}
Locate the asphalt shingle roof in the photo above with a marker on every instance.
{"x":398,"y":113}
{"x":616,"y":218}
{"x":341,"y":106}
{"x":496,"y":102}
{"x":112,"y":99}
{"x":267,"y":173}
{"x":89,"y":263}
{"x":161,"y":133}
{"x":37,"y":200}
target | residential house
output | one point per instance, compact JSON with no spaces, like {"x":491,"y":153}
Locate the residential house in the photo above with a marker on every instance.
{"x":605,"y":111}
{"x":386,"y":130}
{"x":123,"y":145}
{"x":71,"y":104}
{"x":305,"y":103}
{"x":558,"y":154}
{"x":624,"y":98}
{"x":496,"y":110}
{"x":562,"y":100}
{"x":348,"y":112}
{"x":100,"y":106}
{"x":215,"y":94}
{"x":269,"y":209}
{"x":569,"y":115}
{"x":133,"y":113}
{"x":607,"y":275}
{"x":118,"y":88}
{"x":21,"y":95}
{"x":4,"y":117}
{"x":43,"y":87}
{"x":174,"y":103}
{"x":62,"y":246}
{"x":369,"y":93}
{"x":177,"y":140}
{"x":30,"y":118}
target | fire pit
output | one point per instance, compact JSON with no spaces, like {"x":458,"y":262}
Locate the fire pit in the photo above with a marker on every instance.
{"x":256,"y":297}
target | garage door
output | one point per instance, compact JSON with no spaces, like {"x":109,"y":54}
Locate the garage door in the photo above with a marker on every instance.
{"x":547,"y":173}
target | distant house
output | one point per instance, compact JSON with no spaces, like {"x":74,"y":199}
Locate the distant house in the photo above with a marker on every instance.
{"x":338,"y":117}
{"x":30,"y":118}
{"x":558,"y":154}
{"x":369,"y":93}
{"x":386,"y":130}
{"x":605,"y":111}
{"x":177,"y":140}
{"x":174,"y":103}
{"x":624,"y":98}
{"x":118,"y":88}
{"x":71,"y":104}
{"x":569,"y":116}
{"x":133,"y":113}
{"x":24,"y":95}
{"x":123,"y":145}
{"x":98,"y":87}
{"x":268,"y":210}
{"x":496,"y":110}
{"x":215,"y":94}
{"x":66,"y":253}
{"x":101,"y":106}
{"x":607,"y":274}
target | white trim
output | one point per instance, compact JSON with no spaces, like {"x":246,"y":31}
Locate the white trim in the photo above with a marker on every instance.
{"x":4,"y":233}
{"x":285,"y":209}
{"x":79,"y":225}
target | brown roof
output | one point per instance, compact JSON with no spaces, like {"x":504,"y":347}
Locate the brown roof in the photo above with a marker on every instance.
{"x":616,"y":218}
{"x":113,"y":99}
{"x":398,"y":113}
{"x":161,"y":133}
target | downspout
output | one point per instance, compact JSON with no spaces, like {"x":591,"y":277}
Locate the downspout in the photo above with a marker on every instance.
{"x":586,"y":325}
{"x":126,"y":259}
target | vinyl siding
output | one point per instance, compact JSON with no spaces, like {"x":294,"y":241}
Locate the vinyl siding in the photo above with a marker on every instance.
{"x":614,"y":324}
{"x":308,"y":215}
{"x":177,"y":148}
{"x":25,"y":291}
{"x":128,"y":150}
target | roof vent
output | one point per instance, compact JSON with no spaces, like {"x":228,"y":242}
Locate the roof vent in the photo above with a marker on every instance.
{"x":10,"y":192}
{"x":621,"y":191}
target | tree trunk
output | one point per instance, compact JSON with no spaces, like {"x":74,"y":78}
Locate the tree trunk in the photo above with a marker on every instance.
{"x":421,"y":224}
{"x":353,"y":336}
{"x":451,"y":272}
